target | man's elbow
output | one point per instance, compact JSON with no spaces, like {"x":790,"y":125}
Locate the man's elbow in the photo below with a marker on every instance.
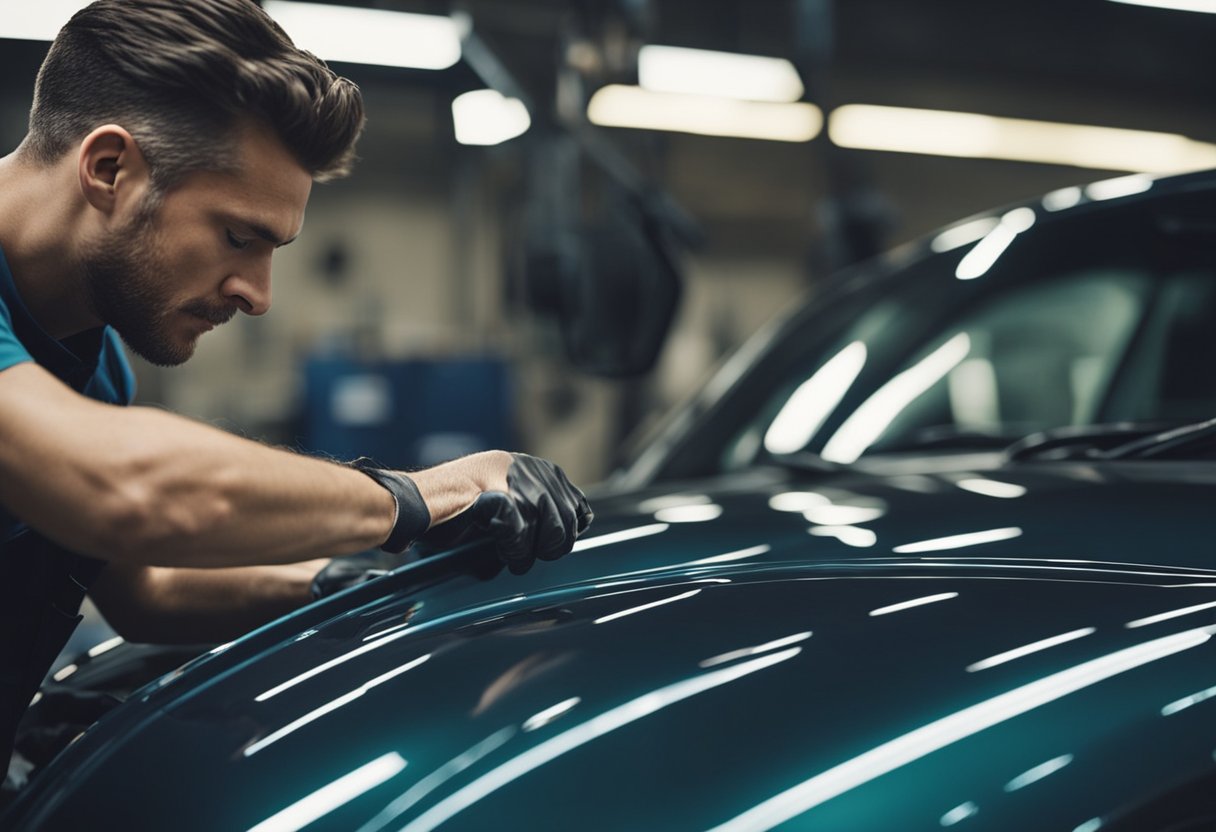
{"x":139,"y":524}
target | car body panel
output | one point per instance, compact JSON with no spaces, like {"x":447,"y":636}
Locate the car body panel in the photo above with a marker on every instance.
{"x":687,"y":694}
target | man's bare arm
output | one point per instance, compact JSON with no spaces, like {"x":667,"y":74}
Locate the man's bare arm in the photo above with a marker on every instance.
{"x":142,"y":486}
{"x":167,"y":605}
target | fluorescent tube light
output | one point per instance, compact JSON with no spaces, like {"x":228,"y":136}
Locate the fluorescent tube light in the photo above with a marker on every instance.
{"x":726,"y":74}
{"x":369,"y":36}
{"x":971,"y":135}
{"x":1208,"y":6}
{"x":623,"y":106}
{"x":39,"y":21}
{"x":485,"y":117}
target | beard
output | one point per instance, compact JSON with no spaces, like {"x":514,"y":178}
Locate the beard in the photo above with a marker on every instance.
{"x":128,"y":285}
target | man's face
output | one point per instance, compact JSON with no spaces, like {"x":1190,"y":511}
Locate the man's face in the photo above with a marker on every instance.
{"x":172,"y":271}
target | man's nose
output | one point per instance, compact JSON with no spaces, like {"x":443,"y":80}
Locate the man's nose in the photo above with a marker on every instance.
{"x":250,"y":289}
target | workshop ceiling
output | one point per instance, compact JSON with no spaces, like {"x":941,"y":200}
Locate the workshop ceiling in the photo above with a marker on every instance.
{"x":1083,"y":61}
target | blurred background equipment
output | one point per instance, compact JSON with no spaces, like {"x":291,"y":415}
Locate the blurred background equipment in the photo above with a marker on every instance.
{"x":406,"y":414}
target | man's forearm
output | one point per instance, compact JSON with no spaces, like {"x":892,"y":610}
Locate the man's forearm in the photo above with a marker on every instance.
{"x":143,"y":486}
{"x":217,"y":500}
{"x":200,"y":606}
{"x":140,"y":486}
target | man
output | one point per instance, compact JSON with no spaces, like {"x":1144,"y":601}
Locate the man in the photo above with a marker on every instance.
{"x":171,"y":149}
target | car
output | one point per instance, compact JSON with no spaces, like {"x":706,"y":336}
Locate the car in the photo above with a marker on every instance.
{"x":935,"y":550}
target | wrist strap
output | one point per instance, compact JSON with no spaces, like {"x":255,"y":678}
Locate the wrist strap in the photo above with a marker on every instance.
{"x":413,"y":518}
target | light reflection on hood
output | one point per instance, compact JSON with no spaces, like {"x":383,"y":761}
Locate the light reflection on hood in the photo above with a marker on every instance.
{"x":937,"y":735}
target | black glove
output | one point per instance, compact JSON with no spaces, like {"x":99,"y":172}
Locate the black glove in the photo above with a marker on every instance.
{"x":343,"y":573}
{"x":540,"y":516}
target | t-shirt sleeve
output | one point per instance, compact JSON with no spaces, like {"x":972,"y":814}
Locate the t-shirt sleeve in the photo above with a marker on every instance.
{"x":120,"y":378}
{"x":11,"y":350}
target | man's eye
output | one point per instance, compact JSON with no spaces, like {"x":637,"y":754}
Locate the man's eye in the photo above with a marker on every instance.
{"x":236,"y":242}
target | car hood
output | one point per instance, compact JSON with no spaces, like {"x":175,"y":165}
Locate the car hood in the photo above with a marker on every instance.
{"x":1061,"y":511}
{"x":738,"y":672}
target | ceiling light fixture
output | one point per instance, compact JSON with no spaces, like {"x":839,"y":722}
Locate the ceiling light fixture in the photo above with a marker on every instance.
{"x":369,"y":36}
{"x":971,"y":135}
{"x":39,"y":21}
{"x":725,"y":74}
{"x":487,"y":117}
{"x":624,"y":106}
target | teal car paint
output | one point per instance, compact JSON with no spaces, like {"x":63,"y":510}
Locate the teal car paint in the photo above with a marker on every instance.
{"x":710,"y":674}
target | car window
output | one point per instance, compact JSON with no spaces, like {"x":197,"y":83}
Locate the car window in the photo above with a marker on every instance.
{"x":1079,"y":329}
{"x":1101,"y":315}
{"x":1030,"y":358}
{"x":1169,"y":376}
{"x":1095,"y":345}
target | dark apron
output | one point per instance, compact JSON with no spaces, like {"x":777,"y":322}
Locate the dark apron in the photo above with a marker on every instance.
{"x":41,"y":588}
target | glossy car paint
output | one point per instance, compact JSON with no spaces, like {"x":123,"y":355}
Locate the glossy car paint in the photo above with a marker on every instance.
{"x":743,"y":670}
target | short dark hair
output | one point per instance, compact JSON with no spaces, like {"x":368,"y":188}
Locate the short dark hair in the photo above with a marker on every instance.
{"x":179,"y":75}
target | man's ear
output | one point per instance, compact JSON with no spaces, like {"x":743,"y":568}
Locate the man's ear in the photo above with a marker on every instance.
{"x":112,"y":169}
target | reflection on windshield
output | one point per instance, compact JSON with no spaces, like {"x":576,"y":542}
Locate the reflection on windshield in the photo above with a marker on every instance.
{"x":986,"y":252}
{"x":868,"y":422}
{"x":814,"y":400}
{"x":961,"y":235}
{"x":1030,"y":358}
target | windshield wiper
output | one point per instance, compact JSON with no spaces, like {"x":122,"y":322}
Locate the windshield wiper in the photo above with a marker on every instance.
{"x":1112,"y":440}
{"x":1083,"y":441}
{"x":1188,"y":441}
{"x":952,"y":437}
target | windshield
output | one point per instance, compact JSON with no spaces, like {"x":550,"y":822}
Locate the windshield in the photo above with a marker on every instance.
{"x":1039,"y":323}
{"x":1027,"y":359}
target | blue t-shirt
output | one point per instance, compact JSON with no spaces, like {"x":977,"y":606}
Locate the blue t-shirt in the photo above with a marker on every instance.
{"x":91,"y":363}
